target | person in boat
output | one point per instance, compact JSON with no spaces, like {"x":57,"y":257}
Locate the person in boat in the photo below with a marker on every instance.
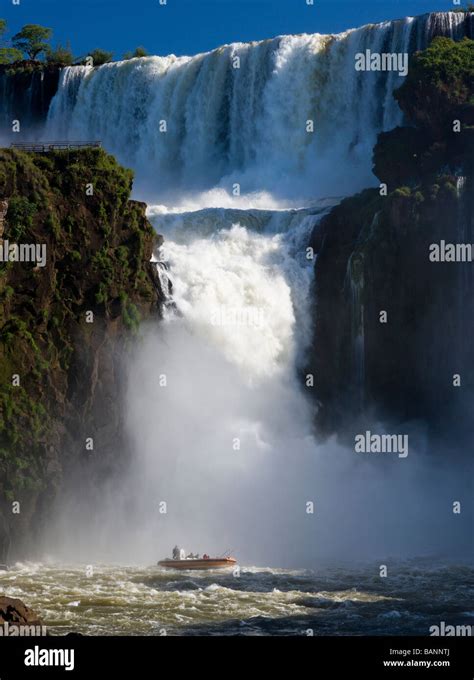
{"x":176,"y":552}
{"x":206,"y":557}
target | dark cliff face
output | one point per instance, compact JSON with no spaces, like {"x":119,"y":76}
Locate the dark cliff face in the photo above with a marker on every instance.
{"x":65,"y":328}
{"x":392,"y":326}
{"x":26,"y":91}
{"x":373,"y":257}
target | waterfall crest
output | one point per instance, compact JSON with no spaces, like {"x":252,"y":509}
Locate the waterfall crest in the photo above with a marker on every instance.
{"x":244,"y":114}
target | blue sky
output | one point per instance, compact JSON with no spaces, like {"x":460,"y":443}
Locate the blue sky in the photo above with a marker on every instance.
{"x":191,"y":26}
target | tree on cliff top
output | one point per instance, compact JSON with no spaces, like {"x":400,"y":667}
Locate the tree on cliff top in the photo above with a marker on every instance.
{"x":8,"y":55}
{"x":32,"y":40}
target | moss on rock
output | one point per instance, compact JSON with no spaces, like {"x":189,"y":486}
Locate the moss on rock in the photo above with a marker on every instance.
{"x":59,"y":374}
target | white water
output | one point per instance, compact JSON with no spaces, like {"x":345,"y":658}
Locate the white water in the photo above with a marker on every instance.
{"x":214,"y":441}
{"x":246,"y":125}
{"x":228,"y":443}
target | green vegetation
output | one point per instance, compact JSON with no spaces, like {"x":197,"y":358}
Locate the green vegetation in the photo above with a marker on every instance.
{"x":98,"y":249}
{"x":440,"y":82}
{"x":437,"y":99}
{"x":32,"y":40}
{"x":139,"y":52}
{"x":60,"y":55}
{"x":101,"y":57}
{"x":33,"y":43}
{"x":20,"y":217}
{"x":8,"y":55}
{"x":131,"y":315}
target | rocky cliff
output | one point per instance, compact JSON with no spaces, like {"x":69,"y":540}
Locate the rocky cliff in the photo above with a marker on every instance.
{"x":392,"y":324}
{"x":65,"y":326}
{"x":26,"y":91}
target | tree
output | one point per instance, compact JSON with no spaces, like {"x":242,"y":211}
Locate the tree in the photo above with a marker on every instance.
{"x":139,"y":52}
{"x":32,"y":40}
{"x":61,"y":55}
{"x":100,"y":57}
{"x":9,"y":55}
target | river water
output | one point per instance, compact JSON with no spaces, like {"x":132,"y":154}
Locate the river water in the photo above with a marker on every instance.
{"x":131,"y":600}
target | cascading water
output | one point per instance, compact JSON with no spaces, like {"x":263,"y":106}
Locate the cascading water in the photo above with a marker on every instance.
{"x":355,"y":286}
{"x":217,"y":415}
{"x":465,"y":235}
{"x":214,"y":406}
{"x":245,"y":289}
{"x":221,"y":431}
{"x":242,"y":114}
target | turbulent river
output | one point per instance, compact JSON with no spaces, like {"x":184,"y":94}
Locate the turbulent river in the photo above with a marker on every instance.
{"x":150,"y":601}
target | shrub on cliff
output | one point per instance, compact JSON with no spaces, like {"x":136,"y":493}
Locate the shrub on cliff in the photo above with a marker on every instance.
{"x":440,"y":86}
{"x":101,"y":57}
{"x":437,"y":99}
{"x":136,"y":54}
{"x":60,"y":55}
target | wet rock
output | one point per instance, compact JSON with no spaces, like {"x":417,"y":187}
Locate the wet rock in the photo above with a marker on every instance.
{"x":15,"y":611}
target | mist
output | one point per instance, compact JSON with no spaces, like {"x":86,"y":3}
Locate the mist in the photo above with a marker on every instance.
{"x":224,"y":453}
{"x":223,"y":449}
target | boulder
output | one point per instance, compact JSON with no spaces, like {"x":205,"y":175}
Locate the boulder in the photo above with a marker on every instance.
{"x":15,"y":611}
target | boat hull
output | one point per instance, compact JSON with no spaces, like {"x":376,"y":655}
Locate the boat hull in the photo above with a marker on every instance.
{"x":211,"y":563}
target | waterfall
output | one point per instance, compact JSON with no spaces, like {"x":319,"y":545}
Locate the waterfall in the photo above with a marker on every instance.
{"x":355,"y":286}
{"x":217,"y":415}
{"x":288,"y":116}
{"x":244,"y":287}
{"x":215,"y":410}
{"x":25,"y":96}
{"x":464,"y":234}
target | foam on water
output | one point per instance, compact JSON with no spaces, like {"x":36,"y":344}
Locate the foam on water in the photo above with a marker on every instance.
{"x":197,"y":126}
